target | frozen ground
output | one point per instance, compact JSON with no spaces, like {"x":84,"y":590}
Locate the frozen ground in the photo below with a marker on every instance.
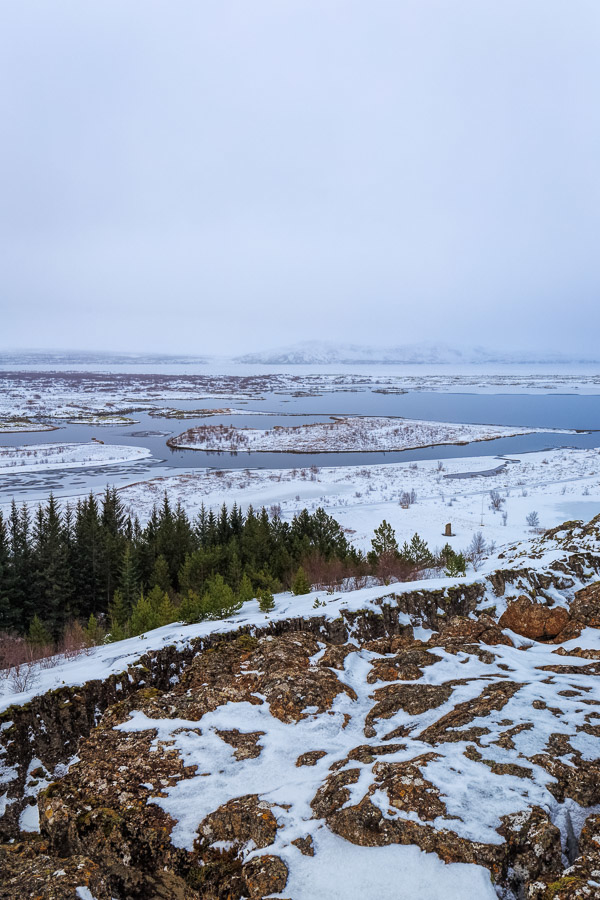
{"x":46,"y":457}
{"x":557,"y":484}
{"x":16,"y":425}
{"x":473,"y":782}
{"x":342,"y":434}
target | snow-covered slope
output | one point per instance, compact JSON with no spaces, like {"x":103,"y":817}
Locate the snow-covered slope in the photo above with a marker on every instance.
{"x":334,"y":750}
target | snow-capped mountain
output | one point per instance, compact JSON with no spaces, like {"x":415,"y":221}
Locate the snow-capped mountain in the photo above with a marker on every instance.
{"x":327,"y":353}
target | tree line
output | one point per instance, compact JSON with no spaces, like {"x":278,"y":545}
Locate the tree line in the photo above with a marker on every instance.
{"x":94,"y":565}
{"x":94,"y":559}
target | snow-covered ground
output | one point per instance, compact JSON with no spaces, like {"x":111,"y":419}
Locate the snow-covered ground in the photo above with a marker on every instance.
{"x":475,"y":793}
{"x":46,"y":457}
{"x":15,"y":426}
{"x":66,"y":395}
{"x":342,"y":434}
{"x":558,"y":485}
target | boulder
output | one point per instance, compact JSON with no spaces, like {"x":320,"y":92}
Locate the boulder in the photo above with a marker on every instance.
{"x":535,"y":620}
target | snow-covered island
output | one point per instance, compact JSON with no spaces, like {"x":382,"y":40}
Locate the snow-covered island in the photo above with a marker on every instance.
{"x":342,"y":433}
{"x":43,"y":457}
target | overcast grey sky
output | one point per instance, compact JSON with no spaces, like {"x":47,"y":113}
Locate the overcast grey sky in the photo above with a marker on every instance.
{"x":227,"y":175}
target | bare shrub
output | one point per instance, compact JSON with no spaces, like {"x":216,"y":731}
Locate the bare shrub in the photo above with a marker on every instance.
{"x":476,"y":550}
{"x":23,"y":677}
{"x":532,"y":519}
{"x":496,"y":501}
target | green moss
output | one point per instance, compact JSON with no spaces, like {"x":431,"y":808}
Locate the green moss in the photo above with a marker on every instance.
{"x":247,"y":642}
{"x":553,"y":889}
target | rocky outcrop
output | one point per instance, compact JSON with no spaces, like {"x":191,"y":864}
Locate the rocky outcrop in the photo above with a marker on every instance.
{"x":198,"y":768}
{"x":535,"y":620}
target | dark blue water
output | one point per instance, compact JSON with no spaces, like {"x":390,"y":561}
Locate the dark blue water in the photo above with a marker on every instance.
{"x":539,"y":411}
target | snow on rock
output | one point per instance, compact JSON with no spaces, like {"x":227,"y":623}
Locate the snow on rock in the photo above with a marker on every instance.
{"x":348,"y":750}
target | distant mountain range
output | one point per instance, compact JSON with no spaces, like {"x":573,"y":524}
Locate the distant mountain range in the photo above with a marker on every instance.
{"x":325,"y":353}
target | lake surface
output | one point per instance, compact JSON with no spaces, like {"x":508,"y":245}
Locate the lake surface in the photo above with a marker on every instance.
{"x":538,"y":411}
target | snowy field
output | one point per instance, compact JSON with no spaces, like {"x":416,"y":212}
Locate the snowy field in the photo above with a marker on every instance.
{"x":558,"y":485}
{"x":46,"y":457}
{"x":342,"y":434}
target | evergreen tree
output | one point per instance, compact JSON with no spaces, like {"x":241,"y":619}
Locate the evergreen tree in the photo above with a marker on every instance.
{"x":300,"y":583}
{"x":384,"y":542}
{"x":160,"y":574}
{"x":119,"y":611}
{"x":129,"y":582}
{"x":417,"y":553}
{"x":38,"y":635}
{"x":456,"y":564}
{"x":143,"y":616}
{"x":93,"y":631}
{"x":219,"y":600}
{"x":52,"y":582}
{"x":246,"y":591}
{"x":266,"y":602}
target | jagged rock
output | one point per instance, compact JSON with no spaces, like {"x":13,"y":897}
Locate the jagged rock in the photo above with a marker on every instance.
{"x":246,"y":745}
{"x":412,"y":698}
{"x":534,"y":620}
{"x":28,"y":870}
{"x":407,"y":665}
{"x":265,"y":875}
{"x":532,"y":846}
{"x":585,"y":607}
{"x":305,"y":845}
{"x":460,"y":632}
{"x":451,"y":726}
{"x":241,"y":820}
{"x":311,"y":758}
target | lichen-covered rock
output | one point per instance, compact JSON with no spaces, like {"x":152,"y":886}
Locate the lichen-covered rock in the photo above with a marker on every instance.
{"x":240,"y":821}
{"x":536,"y":621}
{"x":28,"y":869}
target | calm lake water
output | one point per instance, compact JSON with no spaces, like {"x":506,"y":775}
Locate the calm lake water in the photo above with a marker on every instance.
{"x":539,"y":411}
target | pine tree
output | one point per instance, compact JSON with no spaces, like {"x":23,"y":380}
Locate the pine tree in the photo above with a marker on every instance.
{"x":52,"y":582}
{"x":143,"y":617}
{"x":219,"y":600}
{"x":266,"y":602}
{"x":94,"y":632}
{"x":384,"y":542}
{"x":300,"y":583}
{"x":38,"y":635}
{"x":129,"y":582}
{"x":417,"y":553}
{"x":456,"y":565}
{"x":246,"y":591}
{"x":119,"y":611}
{"x":160,"y":576}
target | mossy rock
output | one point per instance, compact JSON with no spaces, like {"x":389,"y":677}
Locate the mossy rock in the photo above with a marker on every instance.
{"x":553,"y":890}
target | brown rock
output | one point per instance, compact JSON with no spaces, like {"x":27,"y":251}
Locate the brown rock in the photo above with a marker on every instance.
{"x":411,"y":698}
{"x":534,"y":620}
{"x":240,"y":820}
{"x":305,"y":845}
{"x":311,"y":758}
{"x":265,"y":875}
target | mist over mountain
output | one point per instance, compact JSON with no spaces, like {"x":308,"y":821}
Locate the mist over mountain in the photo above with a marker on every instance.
{"x":327,"y":353}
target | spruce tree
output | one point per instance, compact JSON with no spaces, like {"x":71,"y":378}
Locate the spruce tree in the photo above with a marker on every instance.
{"x":384,"y":542}
{"x":38,"y":635}
{"x":266,"y":602}
{"x":300,"y":583}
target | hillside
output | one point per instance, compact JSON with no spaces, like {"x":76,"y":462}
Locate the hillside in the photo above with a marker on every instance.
{"x":425,"y":741}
